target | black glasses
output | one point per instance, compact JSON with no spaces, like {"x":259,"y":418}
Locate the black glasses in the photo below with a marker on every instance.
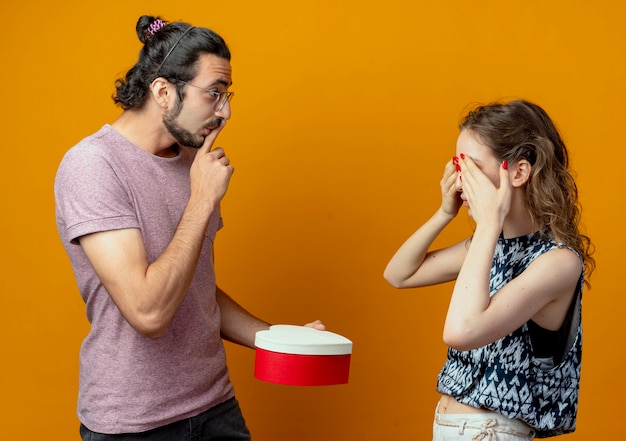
{"x":219,"y":99}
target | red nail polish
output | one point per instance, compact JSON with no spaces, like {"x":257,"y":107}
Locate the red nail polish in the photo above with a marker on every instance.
{"x":505,"y":165}
{"x":455,"y":160}
{"x":458,"y":168}
{"x":462,"y":156}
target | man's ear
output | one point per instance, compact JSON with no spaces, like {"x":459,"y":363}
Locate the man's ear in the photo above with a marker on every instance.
{"x":521,"y":171}
{"x":162,"y":92}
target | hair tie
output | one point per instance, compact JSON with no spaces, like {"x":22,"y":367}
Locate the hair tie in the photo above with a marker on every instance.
{"x":155,"y":26}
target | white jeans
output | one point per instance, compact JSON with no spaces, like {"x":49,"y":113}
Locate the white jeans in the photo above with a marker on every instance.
{"x":487,"y":426}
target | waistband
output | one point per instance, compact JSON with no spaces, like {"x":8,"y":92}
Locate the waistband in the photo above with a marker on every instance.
{"x":486,"y":421}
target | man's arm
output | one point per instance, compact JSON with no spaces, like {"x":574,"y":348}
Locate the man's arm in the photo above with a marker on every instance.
{"x":238,"y":325}
{"x":148,"y":294}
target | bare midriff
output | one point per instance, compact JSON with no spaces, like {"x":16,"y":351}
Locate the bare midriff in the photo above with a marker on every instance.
{"x":448,"y":404}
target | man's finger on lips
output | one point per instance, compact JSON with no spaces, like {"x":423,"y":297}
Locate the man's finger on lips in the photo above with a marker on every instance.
{"x":211,"y":137}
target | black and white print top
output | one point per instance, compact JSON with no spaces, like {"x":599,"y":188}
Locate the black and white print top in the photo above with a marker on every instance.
{"x":503,"y":376}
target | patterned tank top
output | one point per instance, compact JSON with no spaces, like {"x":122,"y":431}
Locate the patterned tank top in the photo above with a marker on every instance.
{"x":504,"y":376}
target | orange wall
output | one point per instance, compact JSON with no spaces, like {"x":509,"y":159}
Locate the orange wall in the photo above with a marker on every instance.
{"x":344,"y":114}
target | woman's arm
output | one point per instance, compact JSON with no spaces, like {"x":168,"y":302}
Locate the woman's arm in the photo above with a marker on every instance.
{"x":413,"y":265}
{"x":542,"y":292}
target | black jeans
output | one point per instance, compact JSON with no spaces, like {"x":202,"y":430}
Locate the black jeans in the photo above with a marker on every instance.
{"x":223,"y":422}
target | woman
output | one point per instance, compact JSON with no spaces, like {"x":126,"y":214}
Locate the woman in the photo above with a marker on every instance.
{"x":513,"y":324}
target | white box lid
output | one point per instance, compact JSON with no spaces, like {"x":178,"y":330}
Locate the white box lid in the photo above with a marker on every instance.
{"x":302,"y":340}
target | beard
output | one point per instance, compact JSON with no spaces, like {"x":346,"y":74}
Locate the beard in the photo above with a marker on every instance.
{"x":183,"y":136}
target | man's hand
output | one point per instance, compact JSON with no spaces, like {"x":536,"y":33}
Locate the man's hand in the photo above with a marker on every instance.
{"x":317,"y":324}
{"x":211,"y":171}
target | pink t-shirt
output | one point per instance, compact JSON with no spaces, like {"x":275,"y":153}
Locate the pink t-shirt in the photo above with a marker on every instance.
{"x":128,"y":382}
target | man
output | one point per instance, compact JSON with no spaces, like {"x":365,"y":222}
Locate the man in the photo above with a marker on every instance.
{"x":138,"y":207}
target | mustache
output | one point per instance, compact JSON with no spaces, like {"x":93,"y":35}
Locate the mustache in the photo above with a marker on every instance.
{"x":214,"y":123}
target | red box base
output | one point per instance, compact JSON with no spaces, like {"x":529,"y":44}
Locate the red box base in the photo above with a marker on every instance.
{"x":301,"y":370}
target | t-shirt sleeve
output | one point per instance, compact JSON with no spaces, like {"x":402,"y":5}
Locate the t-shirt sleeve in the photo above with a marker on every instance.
{"x":91,"y":195}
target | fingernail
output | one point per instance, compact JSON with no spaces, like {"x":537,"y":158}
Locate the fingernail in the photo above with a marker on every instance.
{"x":505,"y":165}
{"x":462,"y":156}
{"x":458,"y":168}
{"x":455,"y":160}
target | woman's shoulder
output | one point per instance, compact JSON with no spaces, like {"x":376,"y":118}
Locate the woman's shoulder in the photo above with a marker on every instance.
{"x":561,"y":262}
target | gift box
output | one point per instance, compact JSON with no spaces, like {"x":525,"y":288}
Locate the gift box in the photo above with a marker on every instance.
{"x":301,"y":356}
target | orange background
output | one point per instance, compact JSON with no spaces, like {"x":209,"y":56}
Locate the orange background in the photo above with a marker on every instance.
{"x":344,"y":114}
